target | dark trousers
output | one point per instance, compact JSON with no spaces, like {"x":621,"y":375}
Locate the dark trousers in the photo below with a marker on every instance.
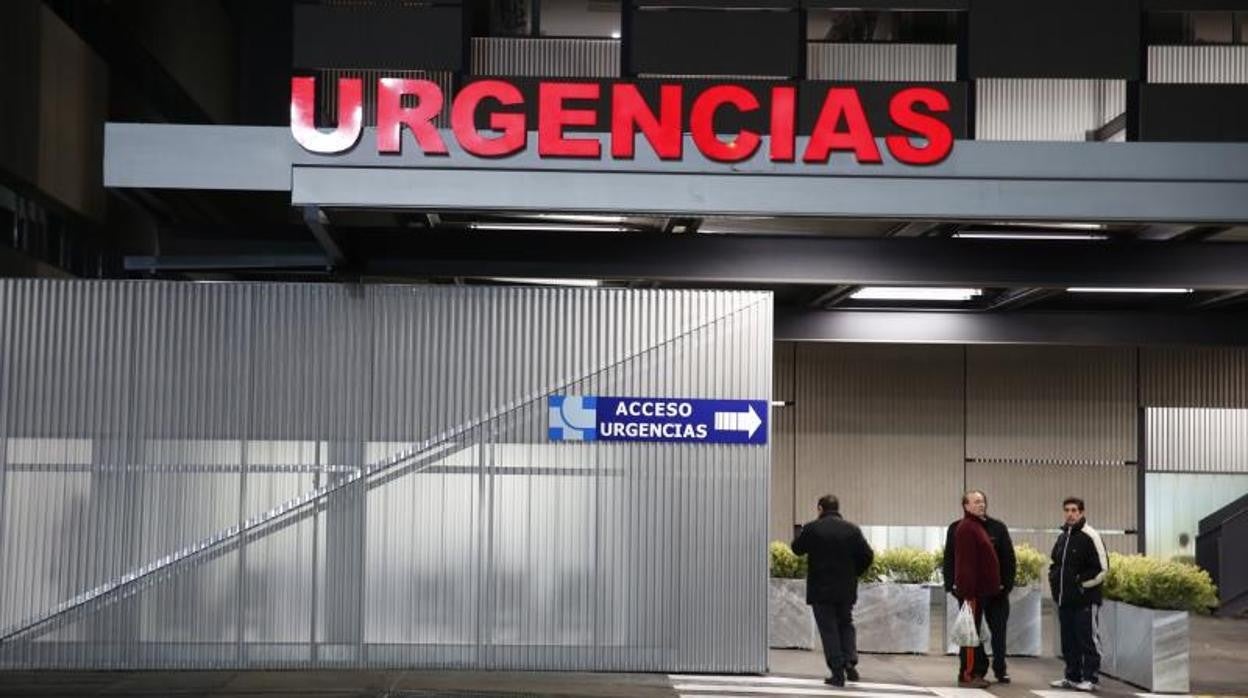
{"x":973,"y":663}
{"x":997,"y":613}
{"x":1081,"y":644}
{"x":836,"y":631}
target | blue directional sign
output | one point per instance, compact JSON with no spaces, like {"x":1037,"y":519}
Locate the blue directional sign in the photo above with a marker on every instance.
{"x":676,"y":420}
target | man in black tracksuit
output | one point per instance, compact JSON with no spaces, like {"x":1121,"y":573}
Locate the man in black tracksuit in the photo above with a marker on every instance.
{"x":996,"y":608}
{"x":1078,"y":569}
{"x":838,"y":556}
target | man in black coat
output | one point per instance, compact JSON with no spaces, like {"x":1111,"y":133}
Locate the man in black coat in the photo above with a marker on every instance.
{"x":996,"y":608}
{"x":838,"y":556}
{"x":1078,"y":569}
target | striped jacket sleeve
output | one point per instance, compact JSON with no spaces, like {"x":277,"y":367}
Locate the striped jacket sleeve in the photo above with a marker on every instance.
{"x":1095,"y":535}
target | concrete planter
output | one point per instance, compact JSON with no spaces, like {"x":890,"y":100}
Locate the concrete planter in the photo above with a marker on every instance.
{"x":894,"y":618}
{"x":1023,"y":637}
{"x":1145,"y":647}
{"x":790,"y":623}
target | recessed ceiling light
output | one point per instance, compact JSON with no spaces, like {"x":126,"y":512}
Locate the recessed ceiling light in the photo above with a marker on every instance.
{"x":1065,"y":226}
{"x":908,"y":293}
{"x":580,"y":218}
{"x":547,"y":282}
{"x":1124,"y":289}
{"x":553,"y":227}
{"x":1006,"y":235}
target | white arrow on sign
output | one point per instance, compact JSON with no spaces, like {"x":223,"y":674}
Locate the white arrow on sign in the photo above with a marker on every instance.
{"x":738,"y":421}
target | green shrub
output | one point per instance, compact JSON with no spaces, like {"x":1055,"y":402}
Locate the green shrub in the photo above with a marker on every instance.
{"x":786,"y":564}
{"x":1031,"y":564}
{"x":1160,"y":584}
{"x":874,"y":573}
{"x":903,"y":565}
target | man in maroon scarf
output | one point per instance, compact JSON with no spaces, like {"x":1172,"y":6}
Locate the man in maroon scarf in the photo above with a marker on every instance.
{"x":977,"y":575}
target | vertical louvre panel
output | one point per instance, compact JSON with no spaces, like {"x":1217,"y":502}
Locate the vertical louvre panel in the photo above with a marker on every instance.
{"x":783,"y":449}
{"x":1197,"y":440}
{"x":1045,"y":110}
{"x":1051,"y":404}
{"x":145,"y":424}
{"x":327,"y":91}
{"x":1198,"y":64}
{"x":566,"y":58}
{"x":882,"y":62}
{"x":881,"y":427}
{"x":1194,"y":377}
{"x":1030,"y":495}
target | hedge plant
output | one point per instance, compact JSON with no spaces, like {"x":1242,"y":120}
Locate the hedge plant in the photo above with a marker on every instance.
{"x":903,"y":566}
{"x":786,"y":564}
{"x":1159,"y":584}
{"x":1031,"y":564}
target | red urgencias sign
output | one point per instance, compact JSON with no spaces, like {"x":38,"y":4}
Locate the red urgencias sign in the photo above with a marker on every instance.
{"x":841,"y":125}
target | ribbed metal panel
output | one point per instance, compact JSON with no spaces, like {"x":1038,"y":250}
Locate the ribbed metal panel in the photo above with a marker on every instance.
{"x":566,"y":58}
{"x":327,"y":91}
{"x":1194,"y":377}
{"x":1045,"y":110}
{"x":1196,"y":440}
{"x":1198,"y":64}
{"x":1029,"y":495}
{"x":882,"y":62}
{"x":263,"y":475}
{"x":881,"y":427}
{"x":783,"y":441}
{"x":1051,"y":404}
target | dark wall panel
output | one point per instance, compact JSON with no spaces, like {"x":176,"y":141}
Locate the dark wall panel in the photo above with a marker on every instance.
{"x":952,"y":5}
{"x":715,"y":42}
{"x":1193,"y":112}
{"x":379,"y":37}
{"x":1054,"y":39}
{"x":1192,"y":5}
{"x":751,"y":4}
{"x":19,"y":71}
{"x":874,"y":95}
{"x":264,"y":67}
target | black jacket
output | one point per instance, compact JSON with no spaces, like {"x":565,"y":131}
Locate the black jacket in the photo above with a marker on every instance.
{"x":1001,"y":542}
{"x":838,"y":555}
{"x":1079,"y":566}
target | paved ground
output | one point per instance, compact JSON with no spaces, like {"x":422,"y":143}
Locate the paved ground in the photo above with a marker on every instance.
{"x":1219,"y":665}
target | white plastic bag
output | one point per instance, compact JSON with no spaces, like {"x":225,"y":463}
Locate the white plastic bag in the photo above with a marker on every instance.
{"x":965,"y":634}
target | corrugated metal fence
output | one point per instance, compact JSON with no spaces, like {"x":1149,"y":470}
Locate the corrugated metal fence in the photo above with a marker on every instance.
{"x":1045,"y":110}
{"x":882,"y":61}
{"x":1197,"y":440}
{"x":264,"y":475}
{"x":1198,"y":64}
{"x":564,"y":58}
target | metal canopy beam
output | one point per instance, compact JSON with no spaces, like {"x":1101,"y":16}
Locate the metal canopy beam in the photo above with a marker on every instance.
{"x":807,"y":260}
{"x":226,"y":262}
{"x":1063,"y":328}
{"x":981,"y":180}
{"x":318,"y":223}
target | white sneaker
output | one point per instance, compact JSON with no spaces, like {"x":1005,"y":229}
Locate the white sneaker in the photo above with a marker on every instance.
{"x":1085,"y":686}
{"x":1061,"y":683}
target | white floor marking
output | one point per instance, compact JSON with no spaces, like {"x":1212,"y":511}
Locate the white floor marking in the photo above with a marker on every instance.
{"x":704,"y":689}
{"x":792,"y":680}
